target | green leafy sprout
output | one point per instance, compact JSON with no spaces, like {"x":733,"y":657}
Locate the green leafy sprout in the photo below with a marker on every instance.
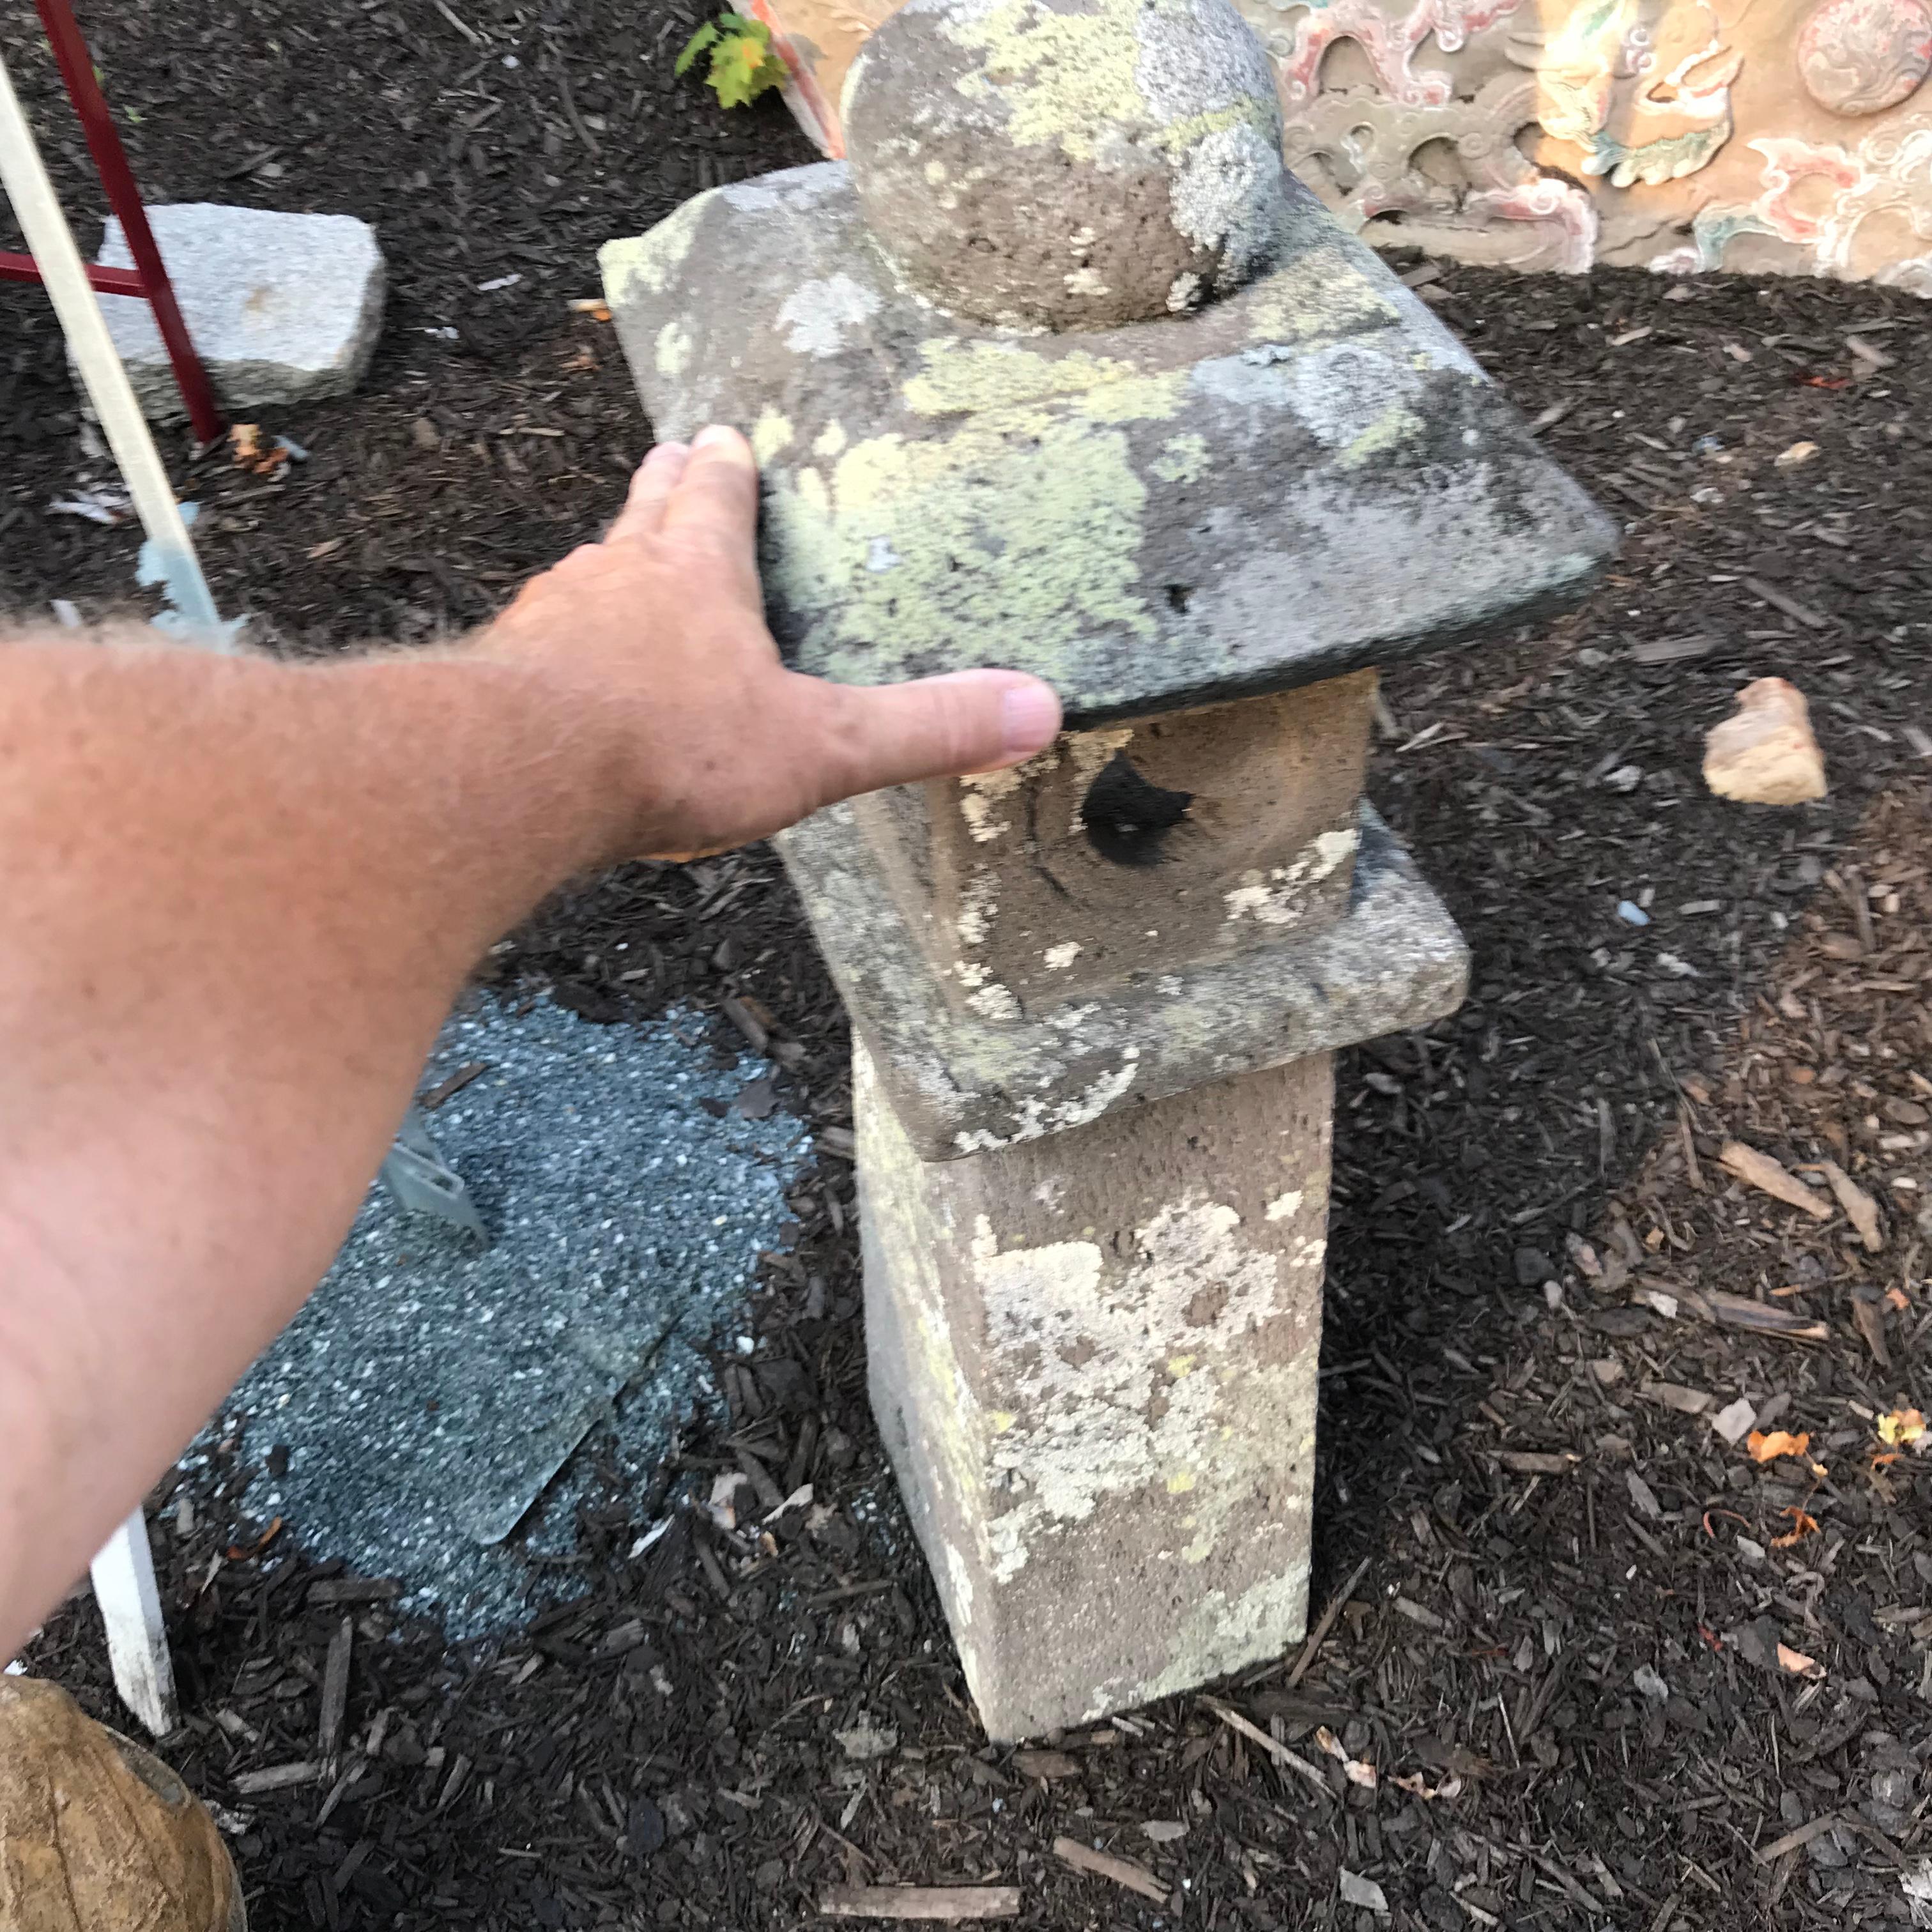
{"x":744,"y":63}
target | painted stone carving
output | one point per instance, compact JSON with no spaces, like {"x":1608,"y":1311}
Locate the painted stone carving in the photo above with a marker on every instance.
{"x":1764,"y":136}
{"x":1389,"y":43}
{"x":1863,"y":56}
{"x":1602,"y":82}
{"x":1817,"y":199}
{"x":1357,"y":147}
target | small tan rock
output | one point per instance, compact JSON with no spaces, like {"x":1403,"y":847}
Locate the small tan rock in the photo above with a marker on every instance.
{"x":96,"y":1834}
{"x":1765,"y":754}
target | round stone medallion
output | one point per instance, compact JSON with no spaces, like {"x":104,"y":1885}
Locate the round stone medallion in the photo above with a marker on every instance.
{"x":1863,"y":56}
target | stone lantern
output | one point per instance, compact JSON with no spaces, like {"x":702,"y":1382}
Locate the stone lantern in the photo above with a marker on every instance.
{"x":1062,"y":371}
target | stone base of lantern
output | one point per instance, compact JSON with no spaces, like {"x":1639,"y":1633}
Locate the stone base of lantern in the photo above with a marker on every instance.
{"x":1093,"y":1359}
{"x":1093,"y":1297}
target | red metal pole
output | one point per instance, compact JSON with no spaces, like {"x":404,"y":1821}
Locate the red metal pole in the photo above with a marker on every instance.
{"x":76,"y":66}
{"x":106,"y":281}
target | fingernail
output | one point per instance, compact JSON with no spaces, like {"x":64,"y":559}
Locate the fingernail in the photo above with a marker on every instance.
{"x":1029,"y":717}
{"x":668,"y":452}
{"x":719,"y":438}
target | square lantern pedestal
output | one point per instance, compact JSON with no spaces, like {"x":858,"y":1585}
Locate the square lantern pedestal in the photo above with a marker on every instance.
{"x":1093,"y":1360}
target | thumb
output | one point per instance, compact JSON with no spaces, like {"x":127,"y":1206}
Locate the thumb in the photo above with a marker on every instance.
{"x":968,"y":720}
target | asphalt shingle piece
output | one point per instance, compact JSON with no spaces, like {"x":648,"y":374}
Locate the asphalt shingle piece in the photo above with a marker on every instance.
{"x":433,"y":1390}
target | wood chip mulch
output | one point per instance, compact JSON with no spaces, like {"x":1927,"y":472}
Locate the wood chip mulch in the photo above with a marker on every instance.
{"x":1591,"y":1662}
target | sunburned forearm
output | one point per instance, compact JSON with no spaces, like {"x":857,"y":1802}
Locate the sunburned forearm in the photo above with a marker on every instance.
{"x":241,"y":897}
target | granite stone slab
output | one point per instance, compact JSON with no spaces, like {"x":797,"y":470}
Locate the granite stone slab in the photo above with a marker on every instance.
{"x":282,"y":308}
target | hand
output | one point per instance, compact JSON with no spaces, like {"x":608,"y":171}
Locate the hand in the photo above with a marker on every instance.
{"x":660,"y":629}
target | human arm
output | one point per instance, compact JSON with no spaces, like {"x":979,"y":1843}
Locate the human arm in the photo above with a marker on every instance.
{"x":239,"y":897}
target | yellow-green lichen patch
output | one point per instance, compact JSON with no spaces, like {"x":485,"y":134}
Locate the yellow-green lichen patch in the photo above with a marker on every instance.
{"x":649,"y":260}
{"x":829,"y":441}
{"x":1395,"y":425}
{"x":1321,"y":294}
{"x":672,"y":350}
{"x":1022,"y":524}
{"x":1182,"y":458}
{"x":962,"y":377}
{"x":770,"y":433}
{"x":1063,"y":76}
{"x":1134,"y":398}
{"x":1179,"y":136}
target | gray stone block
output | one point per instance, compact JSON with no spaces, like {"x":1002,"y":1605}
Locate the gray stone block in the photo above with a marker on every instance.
{"x":282,"y":308}
{"x":1092,"y":1357}
{"x":965,"y":1083}
{"x":1305,"y":477}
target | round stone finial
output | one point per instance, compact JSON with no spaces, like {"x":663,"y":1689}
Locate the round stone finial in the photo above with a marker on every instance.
{"x":1068,"y":163}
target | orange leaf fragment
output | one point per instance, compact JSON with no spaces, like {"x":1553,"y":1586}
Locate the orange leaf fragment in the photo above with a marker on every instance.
{"x":1798,"y":1663}
{"x":1802,"y":1525}
{"x":246,"y":440}
{"x":1901,"y":1425}
{"x":1768,"y":1448}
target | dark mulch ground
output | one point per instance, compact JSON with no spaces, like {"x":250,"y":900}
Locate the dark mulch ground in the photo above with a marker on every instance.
{"x":1566,"y":1636}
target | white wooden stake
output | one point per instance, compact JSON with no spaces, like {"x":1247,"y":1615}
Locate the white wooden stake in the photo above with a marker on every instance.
{"x":137,"y":1644}
{"x":50,"y":241}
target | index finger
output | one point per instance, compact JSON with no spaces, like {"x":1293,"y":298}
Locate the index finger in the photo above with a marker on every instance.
{"x":718,"y":494}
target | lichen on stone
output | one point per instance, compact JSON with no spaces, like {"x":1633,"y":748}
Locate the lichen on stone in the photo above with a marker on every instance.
{"x":961,"y":375}
{"x":1020,"y":521}
{"x":1037,"y":1115}
{"x":1088,"y":1356}
{"x":1182,"y":459}
{"x":1219,"y":1634}
{"x":673,"y":349}
{"x":770,"y":433}
{"x":650,"y":260}
{"x":1321,"y":293}
{"x":1064,"y":77}
{"x":817,"y":315}
{"x":1282,"y":895}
